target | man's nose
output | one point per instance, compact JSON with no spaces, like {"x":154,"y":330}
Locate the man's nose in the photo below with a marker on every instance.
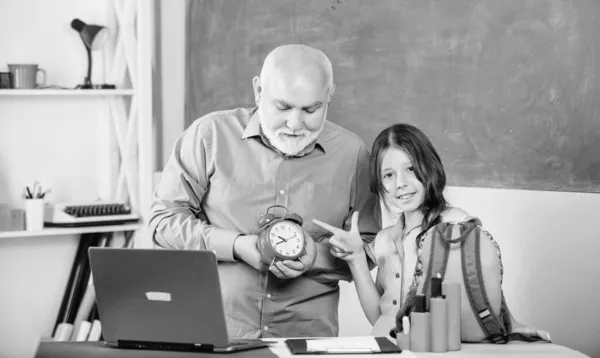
{"x":295,"y":121}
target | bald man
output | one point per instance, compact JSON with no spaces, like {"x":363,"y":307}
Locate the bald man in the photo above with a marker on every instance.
{"x":229,"y":166}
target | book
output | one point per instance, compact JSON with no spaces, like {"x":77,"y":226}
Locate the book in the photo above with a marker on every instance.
{"x":78,"y":278}
{"x":89,"y":297}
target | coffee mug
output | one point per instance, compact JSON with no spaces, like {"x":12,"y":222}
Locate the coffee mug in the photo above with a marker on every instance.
{"x":5,"y":80}
{"x":24,"y":76}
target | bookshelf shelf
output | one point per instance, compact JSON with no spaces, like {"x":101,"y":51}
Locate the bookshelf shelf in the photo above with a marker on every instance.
{"x":67,"y":92}
{"x":55,"y":231}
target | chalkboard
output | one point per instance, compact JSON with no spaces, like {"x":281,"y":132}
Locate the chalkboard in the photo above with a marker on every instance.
{"x":508,"y":90}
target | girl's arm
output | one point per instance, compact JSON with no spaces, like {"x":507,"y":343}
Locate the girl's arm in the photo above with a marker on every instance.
{"x":348,"y":246}
{"x":368,"y":295}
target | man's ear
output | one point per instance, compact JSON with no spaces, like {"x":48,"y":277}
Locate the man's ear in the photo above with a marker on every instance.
{"x":331,"y":91}
{"x":257,"y":89}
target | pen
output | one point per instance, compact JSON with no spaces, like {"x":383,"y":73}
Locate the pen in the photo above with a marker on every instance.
{"x":44,"y":193}
{"x":34,"y":190}
{"x":405,"y":325}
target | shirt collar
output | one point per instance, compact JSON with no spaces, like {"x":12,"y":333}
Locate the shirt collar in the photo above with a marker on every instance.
{"x":253,"y":130}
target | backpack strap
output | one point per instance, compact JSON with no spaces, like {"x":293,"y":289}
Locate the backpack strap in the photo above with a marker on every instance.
{"x":475,"y":287}
{"x":516,"y":336}
{"x":438,"y":256}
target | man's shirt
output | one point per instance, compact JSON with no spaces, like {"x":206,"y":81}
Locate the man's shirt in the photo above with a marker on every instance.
{"x":220,"y":178}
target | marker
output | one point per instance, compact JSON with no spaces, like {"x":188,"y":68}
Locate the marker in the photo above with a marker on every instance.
{"x":405,"y":325}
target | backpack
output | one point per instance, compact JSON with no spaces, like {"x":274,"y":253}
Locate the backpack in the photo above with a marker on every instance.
{"x":465,"y":253}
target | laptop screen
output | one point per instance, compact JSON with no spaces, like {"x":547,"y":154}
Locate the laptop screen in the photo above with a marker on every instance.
{"x":149,"y":295}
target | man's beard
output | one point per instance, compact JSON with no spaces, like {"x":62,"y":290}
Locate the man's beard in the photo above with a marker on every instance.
{"x":291,"y":145}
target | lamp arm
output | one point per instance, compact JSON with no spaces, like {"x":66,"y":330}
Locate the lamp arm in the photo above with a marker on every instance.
{"x":88,"y":79}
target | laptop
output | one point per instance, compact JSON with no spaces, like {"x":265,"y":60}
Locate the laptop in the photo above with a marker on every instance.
{"x":162,"y":299}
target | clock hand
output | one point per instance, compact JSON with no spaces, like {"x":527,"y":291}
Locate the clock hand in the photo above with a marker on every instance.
{"x":282,"y":240}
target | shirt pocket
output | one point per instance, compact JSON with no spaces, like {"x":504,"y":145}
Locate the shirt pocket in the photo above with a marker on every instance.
{"x":327,"y":202}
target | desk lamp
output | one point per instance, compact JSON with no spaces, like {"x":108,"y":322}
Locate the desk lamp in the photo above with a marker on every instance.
{"x":93,"y":37}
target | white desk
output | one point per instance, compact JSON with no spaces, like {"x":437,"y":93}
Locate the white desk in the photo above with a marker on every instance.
{"x":513,"y":349}
{"x":98,"y":350}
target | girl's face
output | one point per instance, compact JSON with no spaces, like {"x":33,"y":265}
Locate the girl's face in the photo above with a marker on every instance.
{"x":404,"y":190}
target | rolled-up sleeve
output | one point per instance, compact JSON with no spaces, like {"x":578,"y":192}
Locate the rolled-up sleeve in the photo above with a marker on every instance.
{"x":176,"y":217}
{"x":363,"y":201}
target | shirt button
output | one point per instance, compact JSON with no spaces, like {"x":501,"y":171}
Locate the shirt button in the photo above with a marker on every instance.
{"x":268,"y":295}
{"x":282,"y":192}
{"x":397,"y":275}
{"x":266,"y":328}
{"x":394,"y":302}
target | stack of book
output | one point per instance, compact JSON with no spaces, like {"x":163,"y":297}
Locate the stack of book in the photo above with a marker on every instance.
{"x":78,"y":318}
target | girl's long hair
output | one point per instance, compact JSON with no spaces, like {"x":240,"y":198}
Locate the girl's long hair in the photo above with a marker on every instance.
{"x":427,"y":165}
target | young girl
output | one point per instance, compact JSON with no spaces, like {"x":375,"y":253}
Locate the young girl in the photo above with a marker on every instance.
{"x":408,"y":176}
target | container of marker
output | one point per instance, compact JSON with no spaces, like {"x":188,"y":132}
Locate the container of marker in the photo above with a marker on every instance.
{"x":452,"y":292}
{"x":420,"y":325}
{"x":439,"y":318}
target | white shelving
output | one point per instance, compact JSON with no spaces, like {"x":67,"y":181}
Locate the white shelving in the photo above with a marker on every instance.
{"x":67,"y":92}
{"x":56,"y":231}
{"x":128,"y":139}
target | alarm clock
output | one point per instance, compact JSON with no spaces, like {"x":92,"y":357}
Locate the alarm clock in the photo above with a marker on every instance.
{"x":280,"y":237}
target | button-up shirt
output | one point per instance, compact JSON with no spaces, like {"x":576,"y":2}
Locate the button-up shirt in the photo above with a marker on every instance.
{"x":220,"y":178}
{"x":396,"y":258}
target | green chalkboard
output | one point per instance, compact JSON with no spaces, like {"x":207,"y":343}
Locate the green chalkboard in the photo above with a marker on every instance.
{"x":508,"y":90}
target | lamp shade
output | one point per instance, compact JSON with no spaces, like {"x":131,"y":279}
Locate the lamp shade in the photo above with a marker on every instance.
{"x":93,"y":36}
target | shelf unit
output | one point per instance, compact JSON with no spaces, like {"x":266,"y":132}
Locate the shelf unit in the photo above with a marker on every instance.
{"x":129,"y":65}
{"x":56,"y":231}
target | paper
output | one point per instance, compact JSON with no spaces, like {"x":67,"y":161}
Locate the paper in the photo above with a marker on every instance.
{"x":348,"y":344}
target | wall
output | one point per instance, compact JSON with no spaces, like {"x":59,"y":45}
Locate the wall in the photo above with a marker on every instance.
{"x":57,"y":140}
{"x":172,"y":18}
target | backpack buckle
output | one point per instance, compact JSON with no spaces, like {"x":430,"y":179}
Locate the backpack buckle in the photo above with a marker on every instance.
{"x":498,"y":339}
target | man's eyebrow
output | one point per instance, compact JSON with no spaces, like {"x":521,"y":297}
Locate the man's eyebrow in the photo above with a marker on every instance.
{"x":280,"y":101}
{"x":314,"y":104}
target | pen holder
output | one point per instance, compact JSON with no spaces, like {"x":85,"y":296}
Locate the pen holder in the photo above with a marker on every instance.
{"x":403,"y":341}
{"x":34,"y":214}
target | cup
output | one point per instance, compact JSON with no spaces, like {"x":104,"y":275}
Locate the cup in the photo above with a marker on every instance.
{"x":34,"y":214}
{"x":5,"y":80}
{"x":25,"y":76}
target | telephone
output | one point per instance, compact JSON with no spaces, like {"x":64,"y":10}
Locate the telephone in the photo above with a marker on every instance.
{"x":88,"y":214}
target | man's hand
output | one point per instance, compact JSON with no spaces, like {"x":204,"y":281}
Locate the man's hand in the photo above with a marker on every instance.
{"x":244,"y":248}
{"x":346,"y":245}
{"x":287,"y":269}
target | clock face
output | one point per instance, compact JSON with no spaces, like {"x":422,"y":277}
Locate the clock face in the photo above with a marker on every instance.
{"x":287,"y":238}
